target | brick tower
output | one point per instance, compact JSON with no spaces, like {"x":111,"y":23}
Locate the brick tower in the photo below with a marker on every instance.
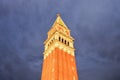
{"x":59,"y":59}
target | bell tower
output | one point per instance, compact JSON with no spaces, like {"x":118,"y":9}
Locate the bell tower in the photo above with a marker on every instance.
{"x":59,"y":59}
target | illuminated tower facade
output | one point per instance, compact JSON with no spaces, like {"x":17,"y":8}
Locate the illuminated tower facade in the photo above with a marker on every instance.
{"x":59,"y":59}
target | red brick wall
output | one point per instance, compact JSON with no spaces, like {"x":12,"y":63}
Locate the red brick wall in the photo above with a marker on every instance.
{"x":59,"y":65}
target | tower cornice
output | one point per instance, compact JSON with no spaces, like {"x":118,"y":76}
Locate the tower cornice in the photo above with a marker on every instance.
{"x":57,"y":44}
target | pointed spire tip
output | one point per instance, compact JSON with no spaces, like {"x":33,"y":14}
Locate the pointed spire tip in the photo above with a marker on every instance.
{"x":58,"y":14}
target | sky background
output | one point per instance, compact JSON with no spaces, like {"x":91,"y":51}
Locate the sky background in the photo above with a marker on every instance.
{"x":95,"y":25}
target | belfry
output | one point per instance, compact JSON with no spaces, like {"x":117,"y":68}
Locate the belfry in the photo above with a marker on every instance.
{"x":59,"y":59}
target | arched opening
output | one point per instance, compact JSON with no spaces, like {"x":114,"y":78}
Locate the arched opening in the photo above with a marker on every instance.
{"x":68,"y":43}
{"x":62,"y":40}
{"x":65,"y":41}
{"x":59,"y":38}
{"x":52,"y":41}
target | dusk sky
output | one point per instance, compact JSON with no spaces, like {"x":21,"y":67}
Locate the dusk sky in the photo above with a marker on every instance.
{"x":95,"y":25}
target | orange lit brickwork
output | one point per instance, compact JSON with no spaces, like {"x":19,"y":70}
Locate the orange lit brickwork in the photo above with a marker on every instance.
{"x":59,"y":59}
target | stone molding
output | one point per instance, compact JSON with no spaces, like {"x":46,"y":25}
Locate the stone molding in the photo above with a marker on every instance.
{"x":61,"y":46}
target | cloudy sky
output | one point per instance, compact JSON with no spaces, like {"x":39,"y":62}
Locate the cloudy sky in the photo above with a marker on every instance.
{"x":95,"y":25}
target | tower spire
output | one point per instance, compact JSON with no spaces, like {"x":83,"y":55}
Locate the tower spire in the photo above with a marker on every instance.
{"x":58,"y":14}
{"x":60,"y":21}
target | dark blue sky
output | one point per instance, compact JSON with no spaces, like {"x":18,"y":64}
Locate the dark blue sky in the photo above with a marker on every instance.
{"x":95,"y":25}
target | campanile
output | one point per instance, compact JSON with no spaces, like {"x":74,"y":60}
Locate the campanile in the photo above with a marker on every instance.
{"x":59,"y":58}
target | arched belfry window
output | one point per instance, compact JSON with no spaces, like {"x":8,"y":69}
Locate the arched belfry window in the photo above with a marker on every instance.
{"x":62,"y":40}
{"x":59,"y":38}
{"x":68,"y":43}
{"x":65,"y":41}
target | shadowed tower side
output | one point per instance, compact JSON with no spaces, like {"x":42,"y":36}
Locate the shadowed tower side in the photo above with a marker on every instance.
{"x":59,"y":59}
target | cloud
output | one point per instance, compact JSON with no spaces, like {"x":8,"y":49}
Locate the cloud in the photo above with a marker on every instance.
{"x":94,"y":25}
